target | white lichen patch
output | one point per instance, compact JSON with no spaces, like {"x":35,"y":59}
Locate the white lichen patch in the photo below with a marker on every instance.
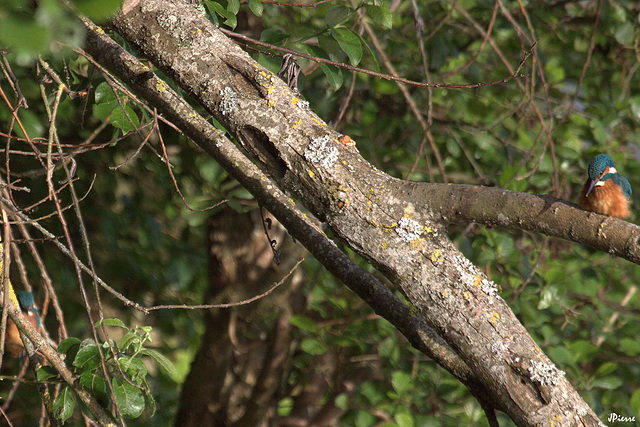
{"x":474,"y":279}
{"x":545,"y":373}
{"x":500,"y":348}
{"x":408,"y":229}
{"x":302,"y":104}
{"x":321,"y":151}
{"x":229,"y":101}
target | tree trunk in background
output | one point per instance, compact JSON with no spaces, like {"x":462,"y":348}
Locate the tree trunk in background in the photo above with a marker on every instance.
{"x":237,"y":375}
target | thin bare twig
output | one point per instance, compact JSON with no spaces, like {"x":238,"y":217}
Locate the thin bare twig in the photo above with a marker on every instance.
{"x":230,"y":304}
{"x":515,"y":75}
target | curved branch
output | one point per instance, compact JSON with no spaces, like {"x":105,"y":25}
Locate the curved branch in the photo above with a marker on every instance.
{"x":495,"y":207}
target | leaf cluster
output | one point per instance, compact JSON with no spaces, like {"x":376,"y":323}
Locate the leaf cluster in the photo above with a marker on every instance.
{"x":125,"y":367}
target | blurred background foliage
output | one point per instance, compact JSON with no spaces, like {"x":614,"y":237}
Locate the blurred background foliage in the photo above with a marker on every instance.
{"x":577,"y":95}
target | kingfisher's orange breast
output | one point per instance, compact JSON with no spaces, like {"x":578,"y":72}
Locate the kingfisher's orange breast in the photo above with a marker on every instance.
{"x":607,"y":199}
{"x":12,"y":340}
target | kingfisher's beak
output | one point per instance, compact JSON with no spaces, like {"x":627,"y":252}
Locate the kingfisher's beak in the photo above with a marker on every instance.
{"x":597,"y":180}
{"x":593,"y":184}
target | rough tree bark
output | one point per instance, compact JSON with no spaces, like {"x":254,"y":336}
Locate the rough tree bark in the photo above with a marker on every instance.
{"x":399,"y":227}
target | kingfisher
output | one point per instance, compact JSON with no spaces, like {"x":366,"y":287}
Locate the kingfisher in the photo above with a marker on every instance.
{"x":12,"y":341}
{"x":606,"y":191}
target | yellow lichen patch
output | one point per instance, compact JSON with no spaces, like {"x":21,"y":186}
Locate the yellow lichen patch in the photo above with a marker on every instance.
{"x":435,"y":256}
{"x":310,"y":172}
{"x":494,"y":317}
{"x":272,"y":102}
{"x":417,"y":243}
{"x":554,"y":419}
{"x":294,"y":101}
{"x":444,"y":294}
{"x":297,"y":123}
{"x":467,"y":295}
{"x":160,"y":86}
{"x":192,"y":114}
{"x":320,"y":122}
{"x":477,"y":281}
{"x":408,"y":210}
{"x":384,"y":245}
{"x":428,"y":229}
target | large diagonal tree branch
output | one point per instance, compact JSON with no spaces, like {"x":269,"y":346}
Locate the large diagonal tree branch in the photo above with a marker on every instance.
{"x":399,"y":227}
{"x":215,"y":143}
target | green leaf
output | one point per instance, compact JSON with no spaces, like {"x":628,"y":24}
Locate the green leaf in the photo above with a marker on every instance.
{"x":32,"y":124}
{"x":162,"y":361}
{"x":350,"y":44}
{"x":128,"y":339}
{"x":134,"y":368}
{"x":401,"y":382}
{"x":608,"y":383}
{"x":104,"y":93}
{"x":336,"y":14}
{"x":97,"y":385}
{"x":46,"y":373}
{"x":107,"y":105}
{"x":635,"y":108}
{"x":583,"y":350}
{"x":68,"y":344}
{"x":364,"y":418}
{"x":630,"y":346}
{"x":97,"y":10}
{"x":273,"y":35}
{"x":88,"y":357}
{"x":380,"y":15}
{"x":333,"y":74}
{"x":404,"y":420}
{"x":126,"y":120}
{"x":625,"y":34}
{"x":63,"y":405}
{"x":305,"y":323}
{"x":233,"y":6}
{"x":342,"y":401}
{"x":606,"y":368}
{"x":330,"y":48}
{"x":216,"y":8}
{"x":313,"y":346}
{"x":23,"y":35}
{"x":256,"y":7}
{"x":130,"y":398}
{"x":507,"y":174}
{"x":113,"y":321}
{"x":635,"y":401}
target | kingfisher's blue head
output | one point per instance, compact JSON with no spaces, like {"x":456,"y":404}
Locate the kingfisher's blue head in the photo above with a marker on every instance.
{"x":25,"y":299}
{"x":598,"y":165}
{"x":27,"y":305}
{"x":601,"y":169}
